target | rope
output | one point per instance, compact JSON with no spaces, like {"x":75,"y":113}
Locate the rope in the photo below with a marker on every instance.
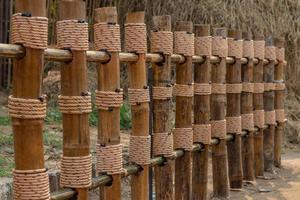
{"x":279,"y":86}
{"x":183,"y":138}
{"x":76,"y":172}
{"x":108,"y":99}
{"x":181,"y":90}
{"x":280,"y":115}
{"x":280,"y":54}
{"x":163,"y":144}
{"x":135,"y":37}
{"x":137,"y":96}
{"x":219,"y":47}
{"x":184,"y":43}
{"x":27,"y":108}
{"x":235,"y":48}
{"x":162,"y":93}
{"x":269,"y":87}
{"x":109,"y":159}
{"x":31,"y":184}
{"x":140,"y":149}
{"x":248,"y":121}
{"x":258,"y":88}
{"x":234,"y":125}
{"x":270,"y":52}
{"x":234,"y":88}
{"x":259,"y":49}
{"x":202,"y":133}
{"x":107,"y":36}
{"x":31,"y":32}
{"x":75,"y":104}
{"x":259,"y":118}
{"x":218,"y":88}
{"x":248,"y":49}
{"x":248,"y":87}
{"x":202,"y":88}
{"x":218,"y":128}
{"x":162,"y":42}
{"x":270,"y":117}
{"x":203,"y":45}
{"x":72,"y":34}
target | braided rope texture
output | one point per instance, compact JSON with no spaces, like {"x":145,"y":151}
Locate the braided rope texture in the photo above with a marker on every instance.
{"x":247,"y":87}
{"x":72,"y":34}
{"x":163,"y":144}
{"x":27,"y":108}
{"x":203,"y":45}
{"x":279,"y":86}
{"x":202,"y":88}
{"x":162,"y":42}
{"x":136,"y":96}
{"x":280,"y":115}
{"x":280,"y":54}
{"x":140,"y":149}
{"x":219,"y":47}
{"x":107,"y":36}
{"x":234,"y":125}
{"x":259,"y":118}
{"x":270,"y":117}
{"x":218,"y":128}
{"x":259,"y":49}
{"x":182,"y":90}
{"x":248,"y":49}
{"x":248,"y":121}
{"x":75,"y":104}
{"x":31,"y":184}
{"x":202,"y":133}
{"x":184,"y":43}
{"x":270,"y":52}
{"x":109,"y":159}
{"x":162,"y":93}
{"x":218,"y":88}
{"x":183,"y":138}
{"x":269,"y":87}
{"x":234,"y":88}
{"x":108,"y":99}
{"x":235,"y":48}
{"x":76,"y":172}
{"x":258,"y":88}
{"x":136,"y":37}
{"x":31,"y":32}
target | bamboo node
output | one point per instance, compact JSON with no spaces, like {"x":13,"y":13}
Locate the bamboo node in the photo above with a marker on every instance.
{"x":182,"y":90}
{"x":218,"y":128}
{"x":203,"y":46}
{"x":202,"y":88}
{"x":162,"y":42}
{"x":183,"y":138}
{"x":219,"y":46}
{"x":137,"y":96}
{"x":235,"y":48}
{"x":163,"y":144}
{"x":248,"y":121}
{"x":108,"y":99}
{"x":234,"y":125}
{"x":248,"y":49}
{"x":107,"y":36}
{"x":135,"y":37}
{"x":140,"y":149}
{"x":162,"y":93}
{"x":270,"y":117}
{"x":75,"y":104}
{"x":259,"y":49}
{"x":202,"y":133}
{"x":234,"y":88}
{"x":184,"y":43}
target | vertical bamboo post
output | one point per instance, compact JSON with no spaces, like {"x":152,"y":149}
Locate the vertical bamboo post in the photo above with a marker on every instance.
{"x":218,"y":111}
{"x":279,"y":100}
{"x":109,"y":120}
{"x":183,"y":119}
{"x":164,"y":175}
{"x":258,"y":105}
{"x":76,"y":136}
{"x":201,"y":116}
{"x":247,"y":109}
{"x":233,"y":77}
{"x":140,"y":113}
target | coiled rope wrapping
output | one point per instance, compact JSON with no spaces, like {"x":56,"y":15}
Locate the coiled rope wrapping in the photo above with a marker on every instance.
{"x":259,"y":118}
{"x":279,"y":86}
{"x":202,"y":133}
{"x":72,"y":34}
{"x":75,"y":104}
{"x":31,"y":184}
{"x":183,"y":138}
{"x":135,"y":37}
{"x":247,"y":87}
{"x":280,"y":54}
{"x":248,"y":121}
{"x":218,"y":129}
{"x":259,"y":49}
{"x":248,"y":49}
{"x":280,"y":115}
{"x":218,"y":88}
{"x":219,"y":47}
{"x":203,"y":45}
{"x":234,"y":125}
{"x":182,"y":90}
{"x":184,"y":43}
{"x":163,"y":144}
{"x":269,"y":87}
{"x":31,"y":32}
{"x":136,"y":96}
{"x":270,"y":52}
{"x":76,"y":172}
{"x":27,"y":108}
{"x":108,"y":99}
{"x":109,"y":159}
{"x":202,"y":88}
{"x":140,"y":149}
{"x":258,"y":88}
{"x":235,"y":48}
{"x":107,"y":37}
{"x":162,"y":42}
{"x":162,"y":93}
{"x":234,"y":88}
{"x":270,"y":117}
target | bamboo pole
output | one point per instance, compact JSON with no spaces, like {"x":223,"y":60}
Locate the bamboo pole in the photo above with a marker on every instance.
{"x":76,"y":136}
{"x":164,"y":174}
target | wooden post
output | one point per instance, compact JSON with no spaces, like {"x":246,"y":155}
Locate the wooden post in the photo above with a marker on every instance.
{"x":76,"y":135}
{"x":201,"y":116}
{"x":218,"y":110}
{"x":164,"y":175}
{"x":140,"y":113}
{"x":109,"y":120}
{"x":247,"y":109}
{"x":258,"y":105}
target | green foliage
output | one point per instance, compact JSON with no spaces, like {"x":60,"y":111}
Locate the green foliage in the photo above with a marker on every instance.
{"x":4,"y":121}
{"x":125,"y":117}
{"x":6,"y":166}
{"x":6,"y":140}
{"x":53,"y":115}
{"x":93,"y":117}
{"x":52,"y":140}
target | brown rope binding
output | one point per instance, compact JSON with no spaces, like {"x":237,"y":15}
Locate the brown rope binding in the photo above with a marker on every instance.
{"x":269,"y":87}
{"x":109,"y":159}
{"x":218,"y":129}
{"x":137,"y":96}
{"x":140,"y":149}
{"x":248,"y":122}
{"x":219,"y":46}
{"x":76,"y":172}
{"x":270,"y":117}
{"x":218,"y":88}
{"x":280,"y":115}
{"x":108,"y":99}
{"x":202,"y":133}
{"x":163,"y":144}
{"x":162,"y":42}
{"x":270,"y":52}
{"x":184,"y":43}
{"x":259,"y":49}
{"x":75,"y":104}
{"x":182,"y":90}
{"x":72,"y":34}
{"x":203,"y":45}
{"x":234,"y":88}
{"x":31,"y":184}
{"x":107,"y":37}
{"x":31,"y":32}
{"x":235,"y":48}
{"x":280,"y":54}
{"x":135,"y":37}
{"x":183,"y":138}
{"x":234,"y":125}
{"x":258,"y":88}
{"x":27,"y":108}
{"x":259,"y":118}
{"x":248,"y":49}
{"x":162,"y":93}
{"x":202,"y":88}
{"x":247,"y":87}
{"x":279,"y":86}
